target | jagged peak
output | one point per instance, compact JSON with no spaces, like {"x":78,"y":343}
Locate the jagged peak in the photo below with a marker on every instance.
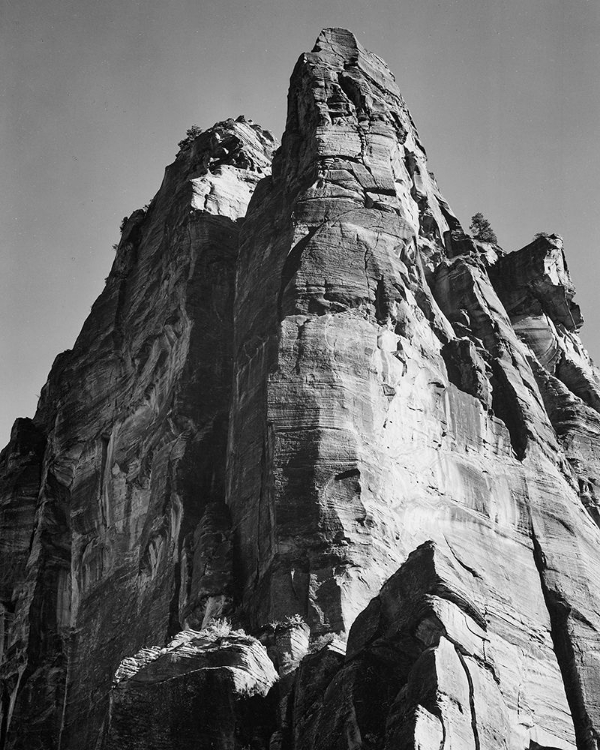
{"x":336,"y":37}
{"x":343,"y":44}
{"x":241,"y":127}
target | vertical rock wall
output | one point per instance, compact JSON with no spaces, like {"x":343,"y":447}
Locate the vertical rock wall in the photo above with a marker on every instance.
{"x":390,"y":435}
{"x":330,"y":265}
{"x":386,"y":398}
{"x":131,"y":536}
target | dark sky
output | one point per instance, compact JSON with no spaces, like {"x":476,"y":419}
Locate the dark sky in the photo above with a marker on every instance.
{"x":96,"y":95}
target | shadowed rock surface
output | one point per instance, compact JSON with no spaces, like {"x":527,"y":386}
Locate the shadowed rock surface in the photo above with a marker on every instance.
{"x":117,"y":533}
{"x":340,"y":418}
{"x":207,"y":689}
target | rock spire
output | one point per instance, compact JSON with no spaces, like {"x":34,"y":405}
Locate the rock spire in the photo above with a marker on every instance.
{"x":308,"y":401}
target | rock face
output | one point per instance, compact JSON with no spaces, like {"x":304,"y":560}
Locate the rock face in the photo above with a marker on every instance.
{"x":340,"y":418}
{"x":206,"y":685}
{"x":113,"y":497}
{"x":332,"y":266}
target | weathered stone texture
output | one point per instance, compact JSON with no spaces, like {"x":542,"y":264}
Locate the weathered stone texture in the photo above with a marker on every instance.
{"x":201,"y":691}
{"x":329,"y":267}
{"x":391,"y":432}
{"x":394,"y":398}
{"x":131,"y":483}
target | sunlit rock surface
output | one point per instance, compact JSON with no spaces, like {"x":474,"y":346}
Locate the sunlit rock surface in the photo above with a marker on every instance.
{"x":342,"y":418}
{"x":392,"y":400}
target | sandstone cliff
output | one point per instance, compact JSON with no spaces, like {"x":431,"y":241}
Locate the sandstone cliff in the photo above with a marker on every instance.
{"x":114,"y":528}
{"x":369,"y":439}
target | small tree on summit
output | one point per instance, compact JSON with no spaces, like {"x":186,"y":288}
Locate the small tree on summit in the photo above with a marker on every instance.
{"x":481,"y":229}
{"x":190,"y":136}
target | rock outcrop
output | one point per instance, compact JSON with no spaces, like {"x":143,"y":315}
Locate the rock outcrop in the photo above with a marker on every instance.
{"x":117,"y":534}
{"x":341,"y":418}
{"x":206,"y":684}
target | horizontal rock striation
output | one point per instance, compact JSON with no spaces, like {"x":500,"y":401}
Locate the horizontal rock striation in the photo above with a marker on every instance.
{"x":332,"y":262}
{"x":392,"y":376}
{"x":114,"y":495}
{"x":342,"y":418}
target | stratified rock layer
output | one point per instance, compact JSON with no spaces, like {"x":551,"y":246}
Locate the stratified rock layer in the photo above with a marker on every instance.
{"x":131,"y":537}
{"x":390,"y":375}
{"x":392,"y":433}
{"x":331,"y":266}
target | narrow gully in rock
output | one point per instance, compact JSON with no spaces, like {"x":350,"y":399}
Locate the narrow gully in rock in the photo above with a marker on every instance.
{"x":471,"y":697}
{"x":559,"y":612}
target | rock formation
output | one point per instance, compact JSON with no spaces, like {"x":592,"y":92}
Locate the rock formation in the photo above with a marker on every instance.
{"x":113,"y":497}
{"x":367,"y":438}
{"x":193,"y":680}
